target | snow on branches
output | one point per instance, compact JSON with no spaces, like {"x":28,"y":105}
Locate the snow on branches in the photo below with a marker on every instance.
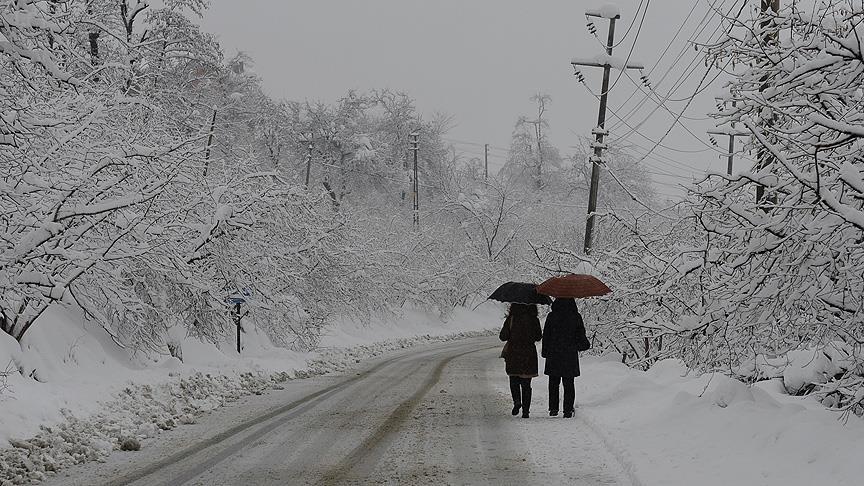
{"x":143,"y":179}
{"x":761,"y":274}
{"x":794,"y":258}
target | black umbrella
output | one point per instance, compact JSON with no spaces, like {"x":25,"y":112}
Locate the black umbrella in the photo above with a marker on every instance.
{"x":519,"y":293}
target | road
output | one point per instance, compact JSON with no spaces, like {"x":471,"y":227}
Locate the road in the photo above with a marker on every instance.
{"x":434,"y":415}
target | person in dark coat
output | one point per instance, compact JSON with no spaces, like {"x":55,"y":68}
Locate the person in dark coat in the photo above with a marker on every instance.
{"x":563,"y":335}
{"x":521,"y":330}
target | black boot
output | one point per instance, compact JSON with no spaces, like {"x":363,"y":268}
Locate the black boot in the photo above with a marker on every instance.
{"x":554,"y":402}
{"x":569,"y":396}
{"x":526,"y":397}
{"x":516,"y":392}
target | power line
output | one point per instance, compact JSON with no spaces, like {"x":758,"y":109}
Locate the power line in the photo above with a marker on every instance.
{"x":661,"y":103}
{"x":629,"y":28}
{"x":698,"y":87}
{"x":481,"y":154}
{"x":649,"y":139}
{"x":478,"y":144}
{"x":688,"y":70}
{"x":671,"y":165}
{"x":667,"y":184}
{"x":698,"y":31}
{"x":633,"y":45}
{"x":661,"y":172}
{"x":677,"y":84}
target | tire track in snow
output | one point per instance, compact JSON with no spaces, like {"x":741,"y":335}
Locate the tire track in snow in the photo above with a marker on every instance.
{"x":370,"y":451}
{"x":311,"y":400}
{"x":321,"y":443}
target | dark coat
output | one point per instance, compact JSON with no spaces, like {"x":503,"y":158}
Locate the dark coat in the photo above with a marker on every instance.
{"x":521,"y":331}
{"x":563,"y":329}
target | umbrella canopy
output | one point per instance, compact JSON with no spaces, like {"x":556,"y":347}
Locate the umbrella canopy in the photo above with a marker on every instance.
{"x":573,"y":286}
{"x":519,"y":293}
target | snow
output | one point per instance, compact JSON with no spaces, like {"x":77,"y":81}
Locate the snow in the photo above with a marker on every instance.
{"x":604,"y":59}
{"x":79,"y":397}
{"x":77,"y":366}
{"x":668,"y":426}
{"x":665,"y":426}
{"x":852,"y":175}
{"x":607,"y":11}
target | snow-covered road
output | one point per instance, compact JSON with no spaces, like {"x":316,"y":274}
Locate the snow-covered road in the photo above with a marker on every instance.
{"x":436,"y":414}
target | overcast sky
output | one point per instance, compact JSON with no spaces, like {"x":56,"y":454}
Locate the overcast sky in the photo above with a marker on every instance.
{"x":481,"y":60}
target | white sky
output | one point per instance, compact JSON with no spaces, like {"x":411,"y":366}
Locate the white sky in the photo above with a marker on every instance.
{"x":480,"y":61}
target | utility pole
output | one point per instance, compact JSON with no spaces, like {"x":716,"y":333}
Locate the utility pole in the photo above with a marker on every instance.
{"x":539,"y":155}
{"x":486,"y":162}
{"x":309,"y":159}
{"x":209,"y":142}
{"x":600,"y":131}
{"x":764,"y":154}
{"x":415,"y":147}
{"x":237,"y":317}
{"x":541,"y":107}
{"x":236,"y":300}
{"x":730,"y":155}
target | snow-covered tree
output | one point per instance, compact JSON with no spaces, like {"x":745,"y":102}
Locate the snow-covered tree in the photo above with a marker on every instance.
{"x":532,"y":158}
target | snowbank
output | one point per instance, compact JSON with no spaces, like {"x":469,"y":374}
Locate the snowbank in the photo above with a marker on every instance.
{"x":671,"y":428}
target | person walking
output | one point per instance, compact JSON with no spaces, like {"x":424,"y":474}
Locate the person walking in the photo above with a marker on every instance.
{"x":520,"y":331}
{"x":563,"y":337}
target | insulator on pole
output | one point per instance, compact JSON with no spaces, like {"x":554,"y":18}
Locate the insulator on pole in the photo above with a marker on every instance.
{"x":645,"y":81}
{"x":578,"y":75}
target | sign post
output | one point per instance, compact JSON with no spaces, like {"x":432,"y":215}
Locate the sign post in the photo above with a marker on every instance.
{"x":237,"y":299}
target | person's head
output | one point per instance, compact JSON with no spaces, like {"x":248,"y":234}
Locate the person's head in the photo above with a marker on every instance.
{"x":564,"y":305}
{"x":523,"y":309}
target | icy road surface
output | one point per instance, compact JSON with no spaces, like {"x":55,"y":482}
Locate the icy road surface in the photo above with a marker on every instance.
{"x":435,"y":414}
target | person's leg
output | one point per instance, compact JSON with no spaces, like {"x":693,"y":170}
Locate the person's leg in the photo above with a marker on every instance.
{"x":516,"y":393}
{"x":553,"y":394}
{"x":569,"y":396}
{"x":526,"y":396}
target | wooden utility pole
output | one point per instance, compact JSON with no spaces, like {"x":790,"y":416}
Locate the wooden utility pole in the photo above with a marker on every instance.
{"x":541,"y":107}
{"x":309,"y":159}
{"x":486,"y":161}
{"x":415,"y":147}
{"x":730,"y":155}
{"x":599,"y":132}
{"x":236,"y":300}
{"x":237,"y":316}
{"x":209,"y":143}
{"x":765,"y":154}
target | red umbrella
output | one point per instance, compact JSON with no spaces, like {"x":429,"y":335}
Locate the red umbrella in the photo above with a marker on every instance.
{"x":573,"y":286}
